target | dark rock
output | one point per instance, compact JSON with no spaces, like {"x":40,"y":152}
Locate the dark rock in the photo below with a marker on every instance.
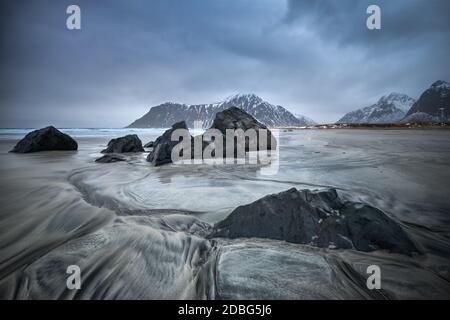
{"x":46,"y":139}
{"x":235,"y":118}
{"x":318,"y":218}
{"x":129,"y":143}
{"x":232,"y":118}
{"x":109,"y":158}
{"x":149,"y":144}
{"x":162,"y":147}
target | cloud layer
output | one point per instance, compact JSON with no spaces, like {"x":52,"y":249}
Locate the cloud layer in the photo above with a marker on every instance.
{"x":314,"y":57}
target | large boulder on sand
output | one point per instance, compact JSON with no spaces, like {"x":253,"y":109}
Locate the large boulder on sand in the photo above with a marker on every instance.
{"x":318,"y":218}
{"x":235,"y":118}
{"x":129,"y":143}
{"x":163,"y":145}
{"x":46,"y":139}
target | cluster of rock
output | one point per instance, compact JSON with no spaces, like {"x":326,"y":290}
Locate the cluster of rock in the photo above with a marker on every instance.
{"x":318,"y":218}
{"x":51,"y":139}
{"x":161,"y":153}
{"x":232,"y":118}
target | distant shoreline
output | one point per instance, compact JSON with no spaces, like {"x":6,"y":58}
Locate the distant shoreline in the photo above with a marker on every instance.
{"x":371,"y":126}
{"x":311,"y":127}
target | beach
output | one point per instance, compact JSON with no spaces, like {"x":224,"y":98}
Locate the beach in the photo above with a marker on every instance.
{"x":139,"y":232}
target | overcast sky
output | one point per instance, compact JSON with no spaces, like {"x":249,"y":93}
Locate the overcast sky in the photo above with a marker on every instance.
{"x":314,"y":57}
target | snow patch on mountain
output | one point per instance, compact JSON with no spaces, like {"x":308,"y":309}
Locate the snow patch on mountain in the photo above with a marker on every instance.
{"x":441,"y":86}
{"x":164,"y":115}
{"x":390,"y":108}
{"x":307,"y":121}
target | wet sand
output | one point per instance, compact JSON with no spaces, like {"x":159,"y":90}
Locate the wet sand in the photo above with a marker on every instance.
{"x":137,"y":232}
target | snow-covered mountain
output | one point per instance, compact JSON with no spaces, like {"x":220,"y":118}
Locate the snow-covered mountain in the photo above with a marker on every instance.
{"x":166,"y":114}
{"x":307,"y":121}
{"x":432,"y":106}
{"x":388,"y":109}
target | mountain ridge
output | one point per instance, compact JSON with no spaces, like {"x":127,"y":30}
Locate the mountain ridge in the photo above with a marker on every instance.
{"x":388,"y":109}
{"x":165,"y":114}
{"x":433,"y":104}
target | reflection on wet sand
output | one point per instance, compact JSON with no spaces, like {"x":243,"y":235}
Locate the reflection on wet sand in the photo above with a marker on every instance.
{"x":139,"y":232}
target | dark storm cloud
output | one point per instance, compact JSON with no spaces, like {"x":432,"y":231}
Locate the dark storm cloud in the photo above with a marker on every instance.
{"x":405,"y":23}
{"x":314,"y":57}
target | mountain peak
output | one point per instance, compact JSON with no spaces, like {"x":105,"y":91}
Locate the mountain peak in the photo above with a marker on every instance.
{"x":441,"y":84}
{"x":169,"y":103}
{"x":433,"y":104}
{"x":389,"y":108}
{"x":399,"y":100}
{"x":163,"y":116}
{"x":396,"y":95}
{"x":244,"y":96}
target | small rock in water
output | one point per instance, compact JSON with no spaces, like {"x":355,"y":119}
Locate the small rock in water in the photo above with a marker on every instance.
{"x":46,"y":139}
{"x":110,"y":158}
{"x":149,"y":144}
{"x":318,"y":218}
{"x":129,"y":143}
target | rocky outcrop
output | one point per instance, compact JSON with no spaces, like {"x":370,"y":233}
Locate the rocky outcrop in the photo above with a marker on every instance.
{"x":232,"y":118}
{"x":235,"y":118}
{"x":318,"y":218}
{"x":110,"y":158}
{"x":129,"y":143}
{"x":162,"y":147}
{"x":46,"y":139}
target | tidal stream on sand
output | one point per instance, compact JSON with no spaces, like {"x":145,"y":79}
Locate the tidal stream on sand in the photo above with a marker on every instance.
{"x":138,"y":232}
